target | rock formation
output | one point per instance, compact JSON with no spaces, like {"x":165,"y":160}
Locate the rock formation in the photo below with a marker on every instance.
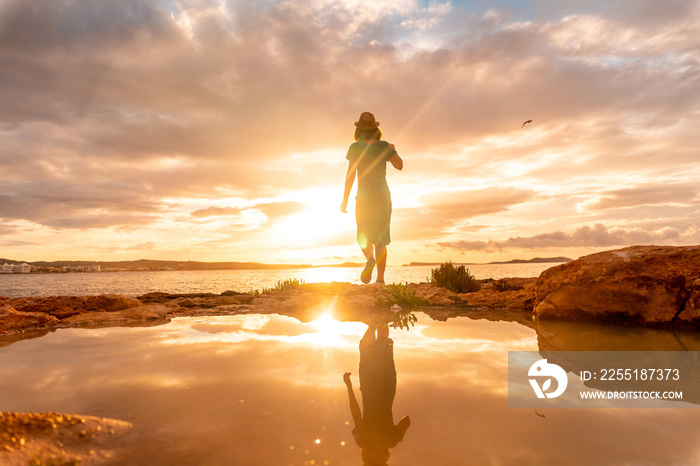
{"x":12,"y":321}
{"x":647,"y":285}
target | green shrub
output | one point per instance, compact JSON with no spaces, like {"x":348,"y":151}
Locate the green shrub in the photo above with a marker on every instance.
{"x":458,"y":279}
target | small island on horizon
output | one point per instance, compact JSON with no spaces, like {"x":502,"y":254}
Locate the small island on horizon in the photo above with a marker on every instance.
{"x":534,"y":260}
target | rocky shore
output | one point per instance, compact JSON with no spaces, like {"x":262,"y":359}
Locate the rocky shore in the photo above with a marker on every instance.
{"x":641,"y":285}
{"x":369,"y":303}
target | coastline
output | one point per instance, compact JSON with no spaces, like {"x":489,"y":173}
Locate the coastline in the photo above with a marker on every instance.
{"x":638,"y":285}
{"x":154,"y":265}
{"x":376,"y":303}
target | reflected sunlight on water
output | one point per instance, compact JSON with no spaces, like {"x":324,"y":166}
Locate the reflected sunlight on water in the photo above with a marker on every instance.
{"x":259,"y":390}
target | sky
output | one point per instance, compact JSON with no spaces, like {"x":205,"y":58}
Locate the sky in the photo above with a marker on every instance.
{"x":217,"y":130}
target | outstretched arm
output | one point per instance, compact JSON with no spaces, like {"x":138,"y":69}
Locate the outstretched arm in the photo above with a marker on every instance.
{"x":354,"y":406}
{"x":349,"y":181}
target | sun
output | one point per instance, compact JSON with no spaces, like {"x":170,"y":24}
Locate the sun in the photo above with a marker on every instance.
{"x":333,"y":333}
{"x":318,"y":223}
{"x":327,"y":324}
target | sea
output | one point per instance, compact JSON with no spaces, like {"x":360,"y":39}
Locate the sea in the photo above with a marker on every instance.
{"x":218,"y":281}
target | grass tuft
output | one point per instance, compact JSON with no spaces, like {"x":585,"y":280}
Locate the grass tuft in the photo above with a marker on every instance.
{"x":284,"y":285}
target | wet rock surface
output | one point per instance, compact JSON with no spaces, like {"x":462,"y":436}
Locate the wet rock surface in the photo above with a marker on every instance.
{"x":57,"y":439}
{"x":12,"y":321}
{"x":66,"y":306}
{"x":645,"y":285}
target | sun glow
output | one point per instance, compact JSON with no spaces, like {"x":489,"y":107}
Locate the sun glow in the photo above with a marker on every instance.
{"x":319,"y":222}
{"x":331,"y":332}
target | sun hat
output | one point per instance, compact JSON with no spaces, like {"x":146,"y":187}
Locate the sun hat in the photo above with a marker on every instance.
{"x":366,"y":122}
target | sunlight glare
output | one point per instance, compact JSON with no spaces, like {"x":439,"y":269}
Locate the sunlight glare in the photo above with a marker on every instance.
{"x":330,"y":332}
{"x":326,"y":324}
{"x":318,"y":222}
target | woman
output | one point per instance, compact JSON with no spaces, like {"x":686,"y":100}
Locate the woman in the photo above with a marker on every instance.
{"x":367,"y":158}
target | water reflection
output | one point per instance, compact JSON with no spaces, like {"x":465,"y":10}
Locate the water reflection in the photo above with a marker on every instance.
{"x":583,"y":336}
{"x":578,"y":347}
{"x":266,"y":390}
{"x":375,"y":432}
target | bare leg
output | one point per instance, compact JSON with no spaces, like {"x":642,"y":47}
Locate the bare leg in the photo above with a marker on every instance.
{"x":366,"y":275}
{"x":368,"y":251}
{"x":381,"y":261}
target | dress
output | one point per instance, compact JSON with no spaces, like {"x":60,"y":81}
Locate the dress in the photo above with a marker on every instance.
{"x":373,"y":207}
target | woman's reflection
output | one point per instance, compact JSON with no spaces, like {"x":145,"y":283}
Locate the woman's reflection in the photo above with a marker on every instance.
{"x":374,"y":430}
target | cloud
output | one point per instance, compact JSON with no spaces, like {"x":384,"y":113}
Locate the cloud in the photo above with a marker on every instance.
{"x":445,"y":210}
{"x":124,"y":114}
{"x":8,"y":229}
{"x":464,"y":204}
{"x":216,"y":212}
{"x":68,"y":205}
{"x":272,"y":210}
{"x":597,"y":236}
{"x":645,"y":195}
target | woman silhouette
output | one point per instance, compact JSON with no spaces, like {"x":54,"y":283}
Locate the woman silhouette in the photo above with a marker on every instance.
{"x":375,"y":432}
{"x":367,"y":158}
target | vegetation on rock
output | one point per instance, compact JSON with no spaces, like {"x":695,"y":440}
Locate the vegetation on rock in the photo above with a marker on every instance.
{"x":454,"y":278}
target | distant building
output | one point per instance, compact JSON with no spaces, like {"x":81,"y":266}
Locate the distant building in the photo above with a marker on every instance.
{"x":84,"y":268}
{"x":22,"y":268}
{"x":12,"y":268}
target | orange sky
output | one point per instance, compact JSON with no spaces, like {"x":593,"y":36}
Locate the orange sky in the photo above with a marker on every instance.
{"x":217,"y":131}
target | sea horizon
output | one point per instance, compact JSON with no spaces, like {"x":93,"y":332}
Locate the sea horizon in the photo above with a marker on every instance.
{"x":137,"y":283}
{"x":191,"y":265}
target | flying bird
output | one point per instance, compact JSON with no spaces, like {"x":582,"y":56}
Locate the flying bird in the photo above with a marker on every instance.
{"x":528,"y":121}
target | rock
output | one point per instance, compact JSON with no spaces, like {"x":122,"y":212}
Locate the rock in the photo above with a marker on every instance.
{"x":137,"y":314}
{"x":649,"y":285}
{"x":513,"y":294}
{"x":690,"y":315}
{"x":197,"y":300}
{"x":58,"y":306}
{"x":57,"y":439}
{"x":12,"y":320}
{"x":66,"y":306}
{"x":435,"y":296}
{"x":110,"y":303}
